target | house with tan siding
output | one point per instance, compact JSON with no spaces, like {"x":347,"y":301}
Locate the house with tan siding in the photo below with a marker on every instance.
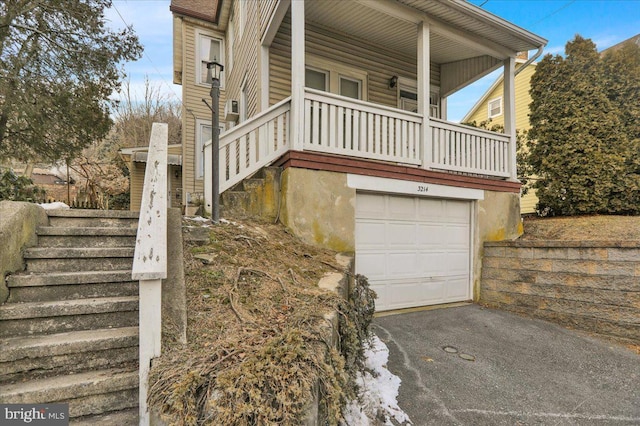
{"x":348,"y":100}
{"x":489,"y":108}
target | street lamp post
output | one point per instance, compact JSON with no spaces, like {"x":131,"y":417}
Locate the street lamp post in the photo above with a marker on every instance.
{"x":215,"y":69}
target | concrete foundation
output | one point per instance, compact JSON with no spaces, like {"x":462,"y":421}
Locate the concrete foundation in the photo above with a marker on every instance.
{"x":497,"y":219}
{"x":319,"y":207}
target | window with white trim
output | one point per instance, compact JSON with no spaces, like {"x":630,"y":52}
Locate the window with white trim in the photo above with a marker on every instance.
{"x":350,"y":87}
{"x":335,"y":77}
{"x":230,"y":38}
{"x":203,"y":135}
{"x":316,"y":78}
{"x":408,"y":97}
{"x":209,"y":48}
{"x":244,"y":100}
{"x":494,"y":107}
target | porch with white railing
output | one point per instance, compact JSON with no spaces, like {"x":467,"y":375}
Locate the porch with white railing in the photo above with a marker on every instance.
{"x":342,"y":126}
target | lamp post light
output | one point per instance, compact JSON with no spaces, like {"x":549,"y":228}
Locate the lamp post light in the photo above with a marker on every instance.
{"x":214,"y":70}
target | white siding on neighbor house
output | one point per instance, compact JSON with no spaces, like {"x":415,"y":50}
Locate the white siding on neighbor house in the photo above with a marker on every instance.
{"x":379,"y":64}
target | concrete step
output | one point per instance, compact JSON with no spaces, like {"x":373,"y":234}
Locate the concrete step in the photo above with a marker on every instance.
{"x":20,"y":319}
{"x":58,"y":259}
{"x":70,"y":285}
{"x":93,"y":218}
{"x":30,"y":357}
{"x":127,"y":417}
{"x":235,"y":203}
{"x":97,"y":237}
{"x":89,"y":393}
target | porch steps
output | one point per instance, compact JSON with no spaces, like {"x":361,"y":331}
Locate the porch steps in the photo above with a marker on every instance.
{"x":256,"y":196}
{"x":69,"y":330}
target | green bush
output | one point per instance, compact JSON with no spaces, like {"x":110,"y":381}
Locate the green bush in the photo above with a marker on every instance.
{"x":584,"y":142}
{"x":19,"y":188}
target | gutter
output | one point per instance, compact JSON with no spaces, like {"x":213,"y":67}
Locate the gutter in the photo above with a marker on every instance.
{"x":526,"y":64}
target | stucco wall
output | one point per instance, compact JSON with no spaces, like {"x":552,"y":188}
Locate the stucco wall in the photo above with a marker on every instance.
{"x":18,"y":223}
{"x":498,"y":219}
{"x":319,"y":207}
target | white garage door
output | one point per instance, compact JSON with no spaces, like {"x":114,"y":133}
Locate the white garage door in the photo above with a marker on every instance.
{"x":415,"y":251}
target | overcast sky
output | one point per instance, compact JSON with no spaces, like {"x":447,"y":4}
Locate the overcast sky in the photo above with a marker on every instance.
{"x":606,"y":22}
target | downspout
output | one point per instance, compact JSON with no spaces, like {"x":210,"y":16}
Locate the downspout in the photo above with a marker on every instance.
{"x":529,"y":61}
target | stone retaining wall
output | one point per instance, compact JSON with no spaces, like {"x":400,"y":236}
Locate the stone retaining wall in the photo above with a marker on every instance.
{"x":588,"y":285}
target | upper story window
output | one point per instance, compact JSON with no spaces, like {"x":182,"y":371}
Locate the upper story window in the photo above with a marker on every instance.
{"x":230,"y":42}
{"x":495,"y":107}
{"x":209,"y":48}
{"x":316,"y":79}
{"x":329,"y":76}
{"x":408,"y":97}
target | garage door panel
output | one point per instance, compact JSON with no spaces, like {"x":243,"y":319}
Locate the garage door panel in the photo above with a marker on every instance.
{"x":401,"y":234}
{"x":432,"y":263}
{"x":415,"y":251}
{"x":401,"y":208}
{"x":431,"y":208}
{"x":457,"y":288}
{"x":456,"y":263}
{"x":457,"y":211}
{"x":371,"y":234}
{"x":457,"y":236}
{"x":370,"y":206}
{"x":373,"y":263}
{"x":402,"y":264}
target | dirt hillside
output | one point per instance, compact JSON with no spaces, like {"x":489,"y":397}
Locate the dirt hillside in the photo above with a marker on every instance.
{"x":582,"y":228}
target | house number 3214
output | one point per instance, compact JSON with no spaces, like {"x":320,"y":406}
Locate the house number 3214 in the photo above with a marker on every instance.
{"x":423,"y":188}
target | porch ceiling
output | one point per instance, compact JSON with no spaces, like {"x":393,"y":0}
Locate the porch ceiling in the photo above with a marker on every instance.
{"x":368,"y":20}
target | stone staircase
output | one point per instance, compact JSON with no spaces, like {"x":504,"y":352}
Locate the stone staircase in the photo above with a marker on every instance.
{"x":256,"y":196}
{"x":69,"y":330}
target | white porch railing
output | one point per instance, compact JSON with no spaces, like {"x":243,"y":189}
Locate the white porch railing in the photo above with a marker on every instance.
{"x":455,"y":147}
{"x":338,"y":125}
{"x":248,"y":147}
{"x":343,"y":126}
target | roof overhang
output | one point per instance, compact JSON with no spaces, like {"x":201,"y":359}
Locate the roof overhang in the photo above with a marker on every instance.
{"x":458,"y":30}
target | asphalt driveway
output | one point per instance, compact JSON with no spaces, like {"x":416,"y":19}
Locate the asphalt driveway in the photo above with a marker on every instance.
{"x":518,"y":371}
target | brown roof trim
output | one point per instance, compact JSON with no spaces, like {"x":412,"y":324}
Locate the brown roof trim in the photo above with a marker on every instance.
{"x":317,"y":161}
{"x":194,"y":14}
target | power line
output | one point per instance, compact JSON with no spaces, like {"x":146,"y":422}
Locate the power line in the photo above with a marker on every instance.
{"x":564,"y":6}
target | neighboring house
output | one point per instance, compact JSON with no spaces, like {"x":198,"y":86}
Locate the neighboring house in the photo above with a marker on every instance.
{"x":490,"y":107}
{"x":136,"y":160}
{"x":349,"y":99}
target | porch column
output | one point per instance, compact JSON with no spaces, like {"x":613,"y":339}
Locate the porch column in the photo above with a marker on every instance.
{"x":510,"y":112}
{"x":424,"y":79}
{"x":297,"y":74}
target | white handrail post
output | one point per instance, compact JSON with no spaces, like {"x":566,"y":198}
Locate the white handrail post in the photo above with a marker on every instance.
{"x":150,"y":259}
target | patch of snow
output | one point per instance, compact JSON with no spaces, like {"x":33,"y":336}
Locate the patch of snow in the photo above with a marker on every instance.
{"x":378,"y":391}
{"x":197,"y":218}
{"x":54,"y":206}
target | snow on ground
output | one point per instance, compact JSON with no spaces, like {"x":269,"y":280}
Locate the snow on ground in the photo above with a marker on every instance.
{"x":53,"y":206}
{"x":378,"y":391}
